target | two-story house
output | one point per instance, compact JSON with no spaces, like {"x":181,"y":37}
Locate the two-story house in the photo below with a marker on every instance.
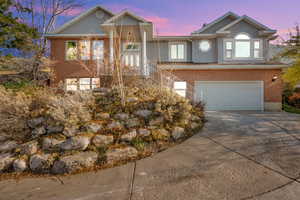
{"x":225,"y":63}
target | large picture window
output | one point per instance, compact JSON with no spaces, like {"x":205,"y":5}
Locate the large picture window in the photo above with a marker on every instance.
{"x":71,"y":50}
{"x":242,"y":46}
{"x":177,"y":51}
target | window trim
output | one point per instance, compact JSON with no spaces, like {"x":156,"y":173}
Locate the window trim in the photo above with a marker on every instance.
{"x":233,"y":58}
{"x":66,"y":48}
{"x":209,"y":48}
{"x":93,"y":52}
{"x":80,"y":50}
{"x":184,"y":51}
{"x":78,"y":83}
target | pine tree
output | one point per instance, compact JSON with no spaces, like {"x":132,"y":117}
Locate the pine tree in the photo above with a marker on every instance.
{"x":292,"y":51}
{"x":13,"y":33}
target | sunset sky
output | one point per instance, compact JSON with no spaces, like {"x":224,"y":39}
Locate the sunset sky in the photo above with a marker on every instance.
{"x":180,"y":17}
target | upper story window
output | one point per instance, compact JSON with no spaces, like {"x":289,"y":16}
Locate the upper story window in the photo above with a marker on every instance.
{"x":98,"y":50}
{"x":243,"y":47}
{"x":71,"y":50}
{"x":130,"y":46}
{"x":204,"y":45}
{"x":177,"y":51}
{"x":85,"y":49}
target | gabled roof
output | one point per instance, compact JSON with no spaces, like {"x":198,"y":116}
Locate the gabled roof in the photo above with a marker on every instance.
{"x":123,"y":13}
{"x":81,"y":16}
{"x":229,"y":14}
{"x":250,"y":21}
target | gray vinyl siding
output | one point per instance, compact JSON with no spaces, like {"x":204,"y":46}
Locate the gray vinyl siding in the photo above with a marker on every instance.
{"x":218,"y":26}
{"x":210,"y":56}
{"x":88,"y":25}
{"x":253,"y":32}
{"x":159,"y":52}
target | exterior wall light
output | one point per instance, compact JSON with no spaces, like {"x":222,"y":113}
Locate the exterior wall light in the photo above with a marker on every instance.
{"x":275,"y":77}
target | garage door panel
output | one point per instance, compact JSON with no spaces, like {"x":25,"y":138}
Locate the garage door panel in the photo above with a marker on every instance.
{"x":230,"y":95}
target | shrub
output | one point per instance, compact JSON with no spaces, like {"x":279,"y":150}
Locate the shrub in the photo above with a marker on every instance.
{"x":294,"y":100}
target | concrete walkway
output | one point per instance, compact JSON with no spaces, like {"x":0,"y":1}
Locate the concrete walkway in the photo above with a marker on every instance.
{"x":237,"y":156}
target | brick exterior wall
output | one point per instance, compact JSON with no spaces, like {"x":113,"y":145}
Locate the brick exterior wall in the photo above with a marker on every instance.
{"x":272,"y":90}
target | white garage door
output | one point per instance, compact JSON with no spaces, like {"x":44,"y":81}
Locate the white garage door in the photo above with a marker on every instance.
{"x":230,"y":95}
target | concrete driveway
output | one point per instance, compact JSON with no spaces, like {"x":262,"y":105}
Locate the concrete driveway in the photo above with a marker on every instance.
{"x":245,"y":155}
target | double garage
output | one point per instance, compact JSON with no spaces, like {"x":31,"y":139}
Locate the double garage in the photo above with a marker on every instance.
{"x":230,"y":95}
{"x":234,"y":89}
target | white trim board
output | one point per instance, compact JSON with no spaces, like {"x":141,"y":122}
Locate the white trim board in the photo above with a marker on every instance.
{"x":208,"y":67}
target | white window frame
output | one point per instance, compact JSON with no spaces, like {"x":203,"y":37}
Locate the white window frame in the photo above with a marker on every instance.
{"x":66,"y":84}
{"x":88,"y":56}
{"x":252,"y":49}
{"x":93,"y":50}
{"x":209,"y":47}
{"x":260,"y":49}
{"x":184,"y":51}
{"x":180,"y":89}
{"x":78,"y":84}
{"x":66,"y":49}
{"x":242,"y":40}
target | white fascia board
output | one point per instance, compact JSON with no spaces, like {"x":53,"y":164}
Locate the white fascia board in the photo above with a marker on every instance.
{"x":50,"y":35}
{"x":216,"y":67}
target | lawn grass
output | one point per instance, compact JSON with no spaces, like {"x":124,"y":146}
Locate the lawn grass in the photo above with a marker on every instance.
{"x":291,"y":109}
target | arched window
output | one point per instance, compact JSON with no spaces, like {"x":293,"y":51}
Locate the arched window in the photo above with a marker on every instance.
{"x":242,"y":46}
{"x":242,"y":36}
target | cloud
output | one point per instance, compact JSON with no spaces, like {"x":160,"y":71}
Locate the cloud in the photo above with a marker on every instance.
{"x":74,"y":12}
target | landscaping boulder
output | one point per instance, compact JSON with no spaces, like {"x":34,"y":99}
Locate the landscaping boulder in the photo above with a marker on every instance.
{"x":73,"y":163}
{"x":132,"y":99}
{"x":20,"y":165}
{"x":71,"y":131}
{"x":3,"y":138}
{"x":93,"y":127}
{"x":144,"y":132}
{"x":6,"y":160}
{"x":178,"y":132}
{"x":160,"y":134}
{"x":41,"y":162}
{"x":115,"y":125}
{"x":8,"y":146}
{"x":102,"y":116}
{"x":29,"y":148}
{"x":195,"y":118}
{"x":51,"y":143}
{"x":100,"y":140}
{"x":38,"y":132}
{"x":143,"y":113}
{"x":76,"y":143}
{"x":133,"y":122}
{"x":157,"y":121}
{"x":35,"y":122}
{"x":128,"y":136}
{"x":120,"y":154}
{"x":122,"y":116}
{"x":55,"y":129}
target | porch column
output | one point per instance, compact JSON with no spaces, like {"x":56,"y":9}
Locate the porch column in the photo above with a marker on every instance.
{"x":145,"y":67}
{"x":111,"y":48}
